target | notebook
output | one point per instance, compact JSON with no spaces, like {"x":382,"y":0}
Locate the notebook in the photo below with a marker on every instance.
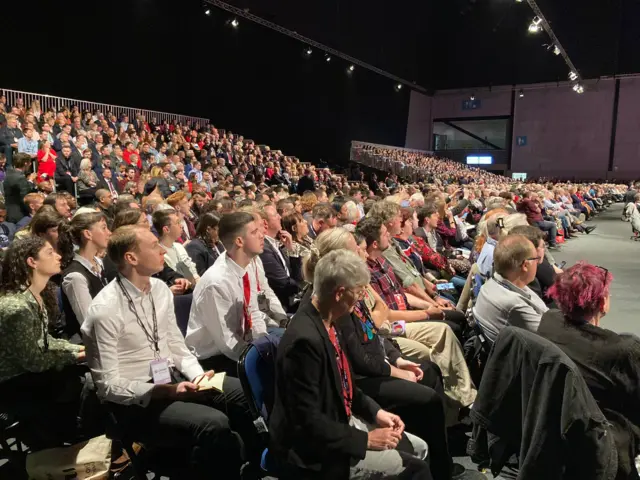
{"x":213,"y":383}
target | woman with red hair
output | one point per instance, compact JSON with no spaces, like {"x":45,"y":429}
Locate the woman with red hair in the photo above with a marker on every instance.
{"x":608,"y":361}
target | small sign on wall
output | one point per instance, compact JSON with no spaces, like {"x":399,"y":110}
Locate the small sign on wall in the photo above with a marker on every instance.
{"x":521,"y":141}
{"x":469,"y":104}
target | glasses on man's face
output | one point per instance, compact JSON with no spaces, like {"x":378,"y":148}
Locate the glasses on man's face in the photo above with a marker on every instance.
{"x":534,"y":259}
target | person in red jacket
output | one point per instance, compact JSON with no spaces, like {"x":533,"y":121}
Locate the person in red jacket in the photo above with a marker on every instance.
{"x":531,"y":208}
{"x":46,"y":162}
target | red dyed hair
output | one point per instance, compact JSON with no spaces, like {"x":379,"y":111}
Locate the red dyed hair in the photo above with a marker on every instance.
{"x":580,"y":291}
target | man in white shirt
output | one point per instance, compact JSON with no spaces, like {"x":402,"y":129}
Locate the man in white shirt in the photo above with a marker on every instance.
{"x":169,"y":227}
{"x":144,"y":371}
{"x":225,"y":316}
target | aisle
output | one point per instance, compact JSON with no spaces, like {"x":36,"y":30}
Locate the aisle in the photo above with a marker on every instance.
{"x":609,"y":246}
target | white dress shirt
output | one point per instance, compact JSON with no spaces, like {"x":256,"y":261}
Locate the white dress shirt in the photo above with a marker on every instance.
{"x":275,"y":244}
{"x":177,"y":258}
{"x":216,"y":321}
{"x":76,"y":288}
{"x":118,"y":351}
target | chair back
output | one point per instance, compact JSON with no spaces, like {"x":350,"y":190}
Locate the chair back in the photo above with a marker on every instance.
{"x":182,"y":308}
{"x":256,"y":369}
{"x":478,"y":281}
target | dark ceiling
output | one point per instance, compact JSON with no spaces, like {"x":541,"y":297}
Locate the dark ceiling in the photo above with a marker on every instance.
{"x":464,"y":43}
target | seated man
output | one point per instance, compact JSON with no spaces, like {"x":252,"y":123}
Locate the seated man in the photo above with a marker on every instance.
{"x":143,"y":369}
{"x":323,"y":217}
{"x":506,"y":299}
{"x":283,"y":268}
{"x":167,"y":224}
{"x":225,"y":316}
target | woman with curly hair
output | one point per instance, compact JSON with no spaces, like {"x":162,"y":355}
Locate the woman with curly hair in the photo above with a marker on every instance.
{"x":83,"y":271}
{"x":37,"y":384}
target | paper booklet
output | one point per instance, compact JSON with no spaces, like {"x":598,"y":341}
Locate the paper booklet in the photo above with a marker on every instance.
{"x":213,"y":383}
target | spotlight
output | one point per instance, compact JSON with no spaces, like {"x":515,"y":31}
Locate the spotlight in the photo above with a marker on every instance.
{"x":398,"y":87}
{"x":556,"y":50}
{"x":518,"y":1}
{"x":578,"y":88}
{"x":472,"y":97}
{"x":327,"y":58}
{"x":573,"y":75}
{"x":535,"y":27}
{"x":521,"y":93}
{"x":351,"y":68}
{"x":207,"y":12}
{"x":308,"y":51}
{"x":235,"y":23}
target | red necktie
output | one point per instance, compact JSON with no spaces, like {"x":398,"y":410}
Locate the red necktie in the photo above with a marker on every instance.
{"x":247,"y":298}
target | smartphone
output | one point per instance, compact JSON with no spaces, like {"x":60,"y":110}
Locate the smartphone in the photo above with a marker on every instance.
{"x":445,"y":286}
{"x":561,"y":266}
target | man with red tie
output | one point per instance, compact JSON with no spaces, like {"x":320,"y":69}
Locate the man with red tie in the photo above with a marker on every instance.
{"x":225,"y":316}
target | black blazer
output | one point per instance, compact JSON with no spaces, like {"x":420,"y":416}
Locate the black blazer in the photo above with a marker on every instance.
{"x":610,"y":364}
{"x":202,"y":255}
{"x":309,"y":427}
{"x":64,"y":165}
{"x":304,"y":184}
{"x":102,"y":183}
{"x":284,"y":285}
{"x":16,"y":187}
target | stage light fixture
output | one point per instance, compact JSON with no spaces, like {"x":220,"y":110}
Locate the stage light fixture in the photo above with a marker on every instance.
{"x":578,"y":88}
{"x":207,"y":12}
{"x":521,"y":93}
{"x":573,"y":75}
{"x":327,"y":58}
{"x":518,"y":1}
{"x":235,"y":23}
{"x":308,"y":51}
{"x":556,"y":50}
{"x":472,"y":97}
{"x":351,"y":68}
{"x":398,"y":87}
{"x":535,"y":27}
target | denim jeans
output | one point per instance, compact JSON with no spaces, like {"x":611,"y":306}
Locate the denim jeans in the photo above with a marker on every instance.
{"x":551,"y":228}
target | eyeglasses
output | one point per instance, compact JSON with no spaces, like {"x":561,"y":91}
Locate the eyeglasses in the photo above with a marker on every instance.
{"x":533,"y":259}
{"x":359,"y":294}
{"x":606,"y":272}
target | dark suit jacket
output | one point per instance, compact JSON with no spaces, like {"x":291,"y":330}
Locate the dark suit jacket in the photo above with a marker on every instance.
{"x":102,"y":183}
{"x":284,"y":285}
{"x":305,"y":183}
{"x":202,"y":255}
{"x":16,"y":187}
{"x":64,"y":165}
{"x":309,"y":427}
{"x":7,"y":135}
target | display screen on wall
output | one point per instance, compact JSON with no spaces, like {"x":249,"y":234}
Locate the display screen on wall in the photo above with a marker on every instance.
{"x":519,"y":176}
{"x":479,"y":159}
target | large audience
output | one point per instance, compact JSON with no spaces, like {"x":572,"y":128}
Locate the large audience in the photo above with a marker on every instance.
{"x":369,"y":292}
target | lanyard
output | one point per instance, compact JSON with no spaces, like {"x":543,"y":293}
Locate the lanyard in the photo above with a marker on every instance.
{"x":152,"y":337}
{"x":343,"y":369}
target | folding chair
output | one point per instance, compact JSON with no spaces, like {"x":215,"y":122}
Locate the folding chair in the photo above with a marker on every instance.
{"x":256,"y":369}
{"x":182,"y":308}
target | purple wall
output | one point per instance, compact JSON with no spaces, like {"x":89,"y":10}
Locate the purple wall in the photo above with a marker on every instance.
{"x":627,"y":153}
{"x":448,"y":105}
{"x":419,"y":124}
{"x":567,"y":134}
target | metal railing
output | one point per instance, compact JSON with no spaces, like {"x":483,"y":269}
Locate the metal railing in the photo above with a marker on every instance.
{"x":360,"y":154}
{"x":50,"y":101}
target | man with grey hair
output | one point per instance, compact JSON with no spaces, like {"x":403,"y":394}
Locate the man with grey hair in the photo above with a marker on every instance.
{"x":506,"y":299}
{"x":312,"y":429}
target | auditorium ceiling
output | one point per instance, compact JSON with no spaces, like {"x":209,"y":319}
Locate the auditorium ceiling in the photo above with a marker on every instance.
{"x":465,"y":43}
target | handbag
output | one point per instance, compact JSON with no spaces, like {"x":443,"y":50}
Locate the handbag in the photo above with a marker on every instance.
{"x":89,"y":460}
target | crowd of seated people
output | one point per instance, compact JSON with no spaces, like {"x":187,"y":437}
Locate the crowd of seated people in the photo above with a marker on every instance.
{"x":366,"y":286}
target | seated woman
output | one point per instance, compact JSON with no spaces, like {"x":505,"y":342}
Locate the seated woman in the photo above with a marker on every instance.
{"x":322,"y":425}
{"x":38,"y":383}
{"x":298,"y":227}
{"x":609,"y":362}
{"x":206,"y":247}
{"x":83,"y":272}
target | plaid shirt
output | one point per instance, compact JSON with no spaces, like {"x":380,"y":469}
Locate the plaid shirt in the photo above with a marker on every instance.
{"x":385,"y":283}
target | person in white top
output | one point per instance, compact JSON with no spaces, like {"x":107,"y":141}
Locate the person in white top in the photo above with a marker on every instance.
{"x":167,"y":224}
{"x":225,"y":316}
{"x":147,"y":376}
{"x":83,"y":271}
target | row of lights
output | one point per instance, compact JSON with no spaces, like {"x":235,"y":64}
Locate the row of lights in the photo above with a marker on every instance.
{"x":307,"y":51}
{"x":536,"y":27}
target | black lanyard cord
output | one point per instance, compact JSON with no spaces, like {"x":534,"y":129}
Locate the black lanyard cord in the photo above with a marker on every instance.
{"x":152,"y":337}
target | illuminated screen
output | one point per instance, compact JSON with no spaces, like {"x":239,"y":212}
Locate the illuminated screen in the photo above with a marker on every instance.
{"x":479,"y":160}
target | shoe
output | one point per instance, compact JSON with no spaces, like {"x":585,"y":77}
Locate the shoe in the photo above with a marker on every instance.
{"x":553,"y":248}
{"x":588,"y":230}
